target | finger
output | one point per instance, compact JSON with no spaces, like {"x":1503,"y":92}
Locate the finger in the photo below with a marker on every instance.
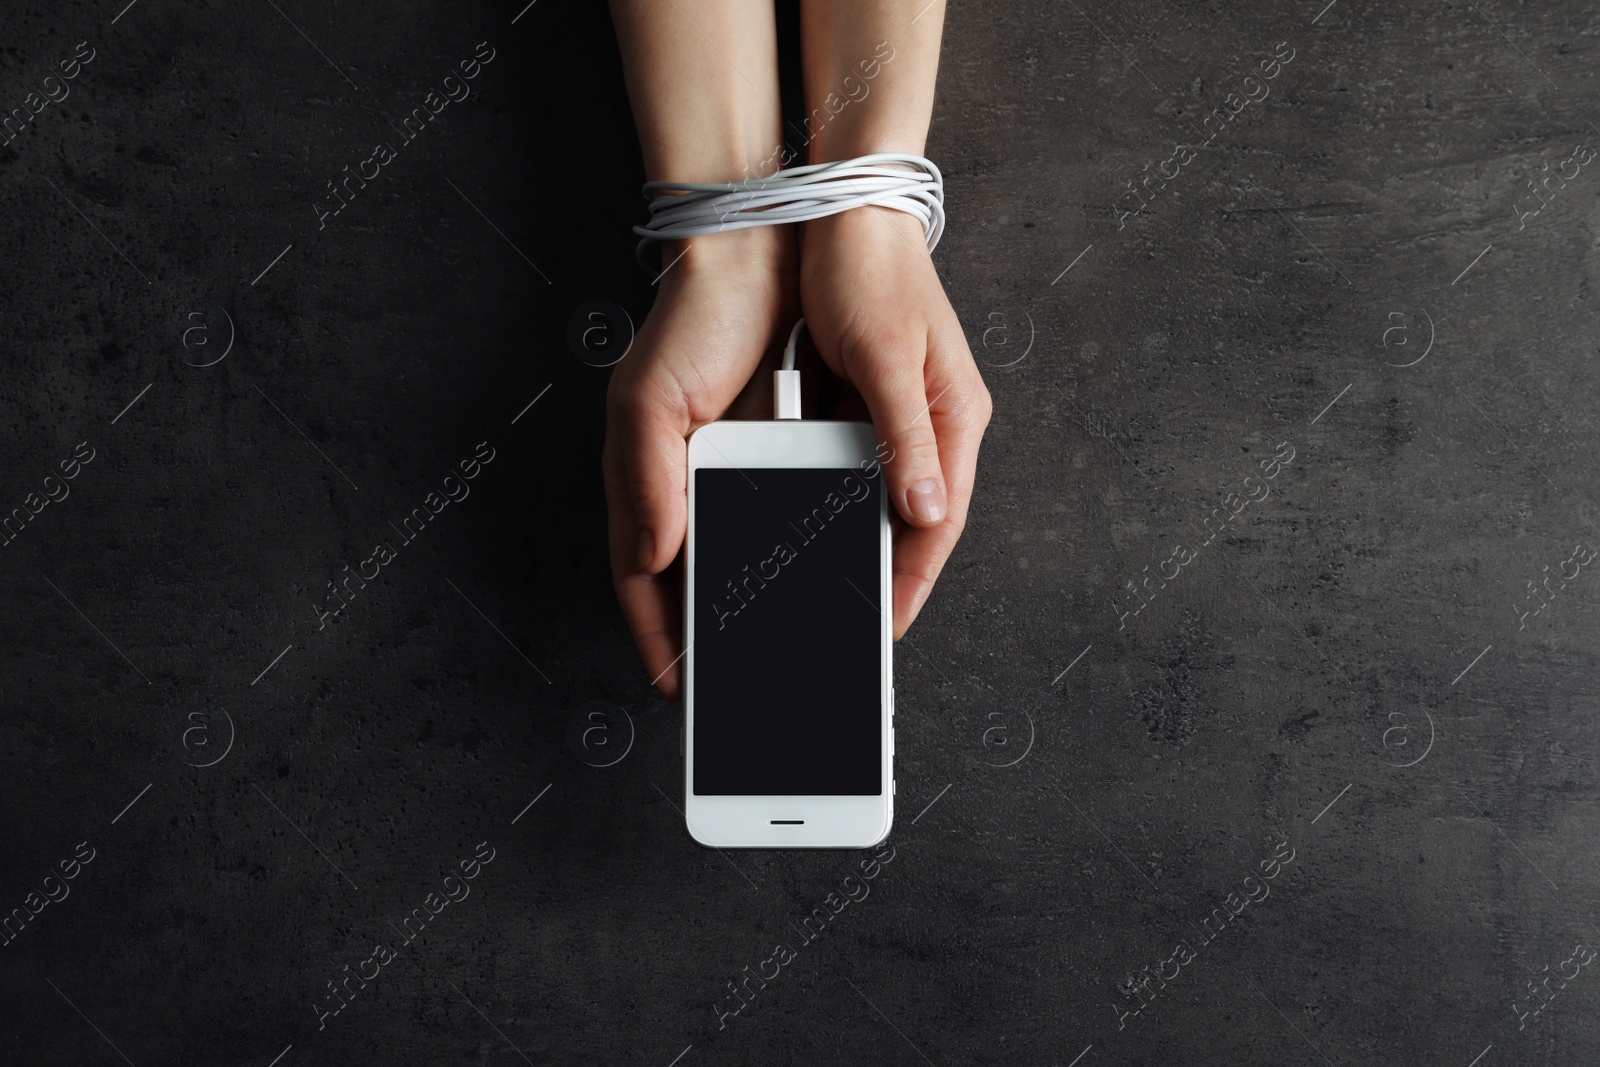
{"x":651,"y":603}
{"x":919,"y":556}
{"x":889,"y":370}
{"x":959,"y":418}
{"x":649,"y":426}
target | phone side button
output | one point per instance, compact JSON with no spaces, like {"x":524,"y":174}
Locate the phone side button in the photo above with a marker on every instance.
{"x":682,"y":729}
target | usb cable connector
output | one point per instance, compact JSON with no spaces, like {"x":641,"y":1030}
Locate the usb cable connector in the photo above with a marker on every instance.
{"x":786,"y":382}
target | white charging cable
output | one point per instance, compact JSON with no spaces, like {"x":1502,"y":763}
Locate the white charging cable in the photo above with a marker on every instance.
{"x":796,"y":194}
{"x":786,"y":381}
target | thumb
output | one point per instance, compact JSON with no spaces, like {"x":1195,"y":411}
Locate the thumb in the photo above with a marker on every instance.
{"x":891,"y":379}
{"x":654,"y":461}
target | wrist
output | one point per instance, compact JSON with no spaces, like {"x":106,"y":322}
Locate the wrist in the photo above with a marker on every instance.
{"x":869,"y":135}
{"x":753,"y":254}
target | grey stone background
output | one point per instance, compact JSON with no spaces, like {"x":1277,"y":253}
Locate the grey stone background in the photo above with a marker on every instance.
{"x":1348,"y":269}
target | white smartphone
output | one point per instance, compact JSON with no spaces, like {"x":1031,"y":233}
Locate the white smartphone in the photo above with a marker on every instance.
{"x":788,"y":661}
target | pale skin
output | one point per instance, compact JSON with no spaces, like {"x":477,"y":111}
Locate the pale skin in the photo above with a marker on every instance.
{"x":702,"y":77}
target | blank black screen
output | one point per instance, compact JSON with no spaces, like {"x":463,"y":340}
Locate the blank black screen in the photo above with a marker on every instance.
{"x":787,"y":649}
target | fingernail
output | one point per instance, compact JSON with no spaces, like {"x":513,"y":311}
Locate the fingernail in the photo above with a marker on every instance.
{"x":647,"y":549}
{"x":926,"y":499}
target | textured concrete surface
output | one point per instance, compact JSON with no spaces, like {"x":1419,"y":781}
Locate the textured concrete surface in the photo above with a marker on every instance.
{"x":1335,"y":716}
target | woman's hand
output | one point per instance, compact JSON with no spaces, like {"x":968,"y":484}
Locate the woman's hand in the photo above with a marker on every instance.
{"x":727,"y":303}
{"x":879,"y":317}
